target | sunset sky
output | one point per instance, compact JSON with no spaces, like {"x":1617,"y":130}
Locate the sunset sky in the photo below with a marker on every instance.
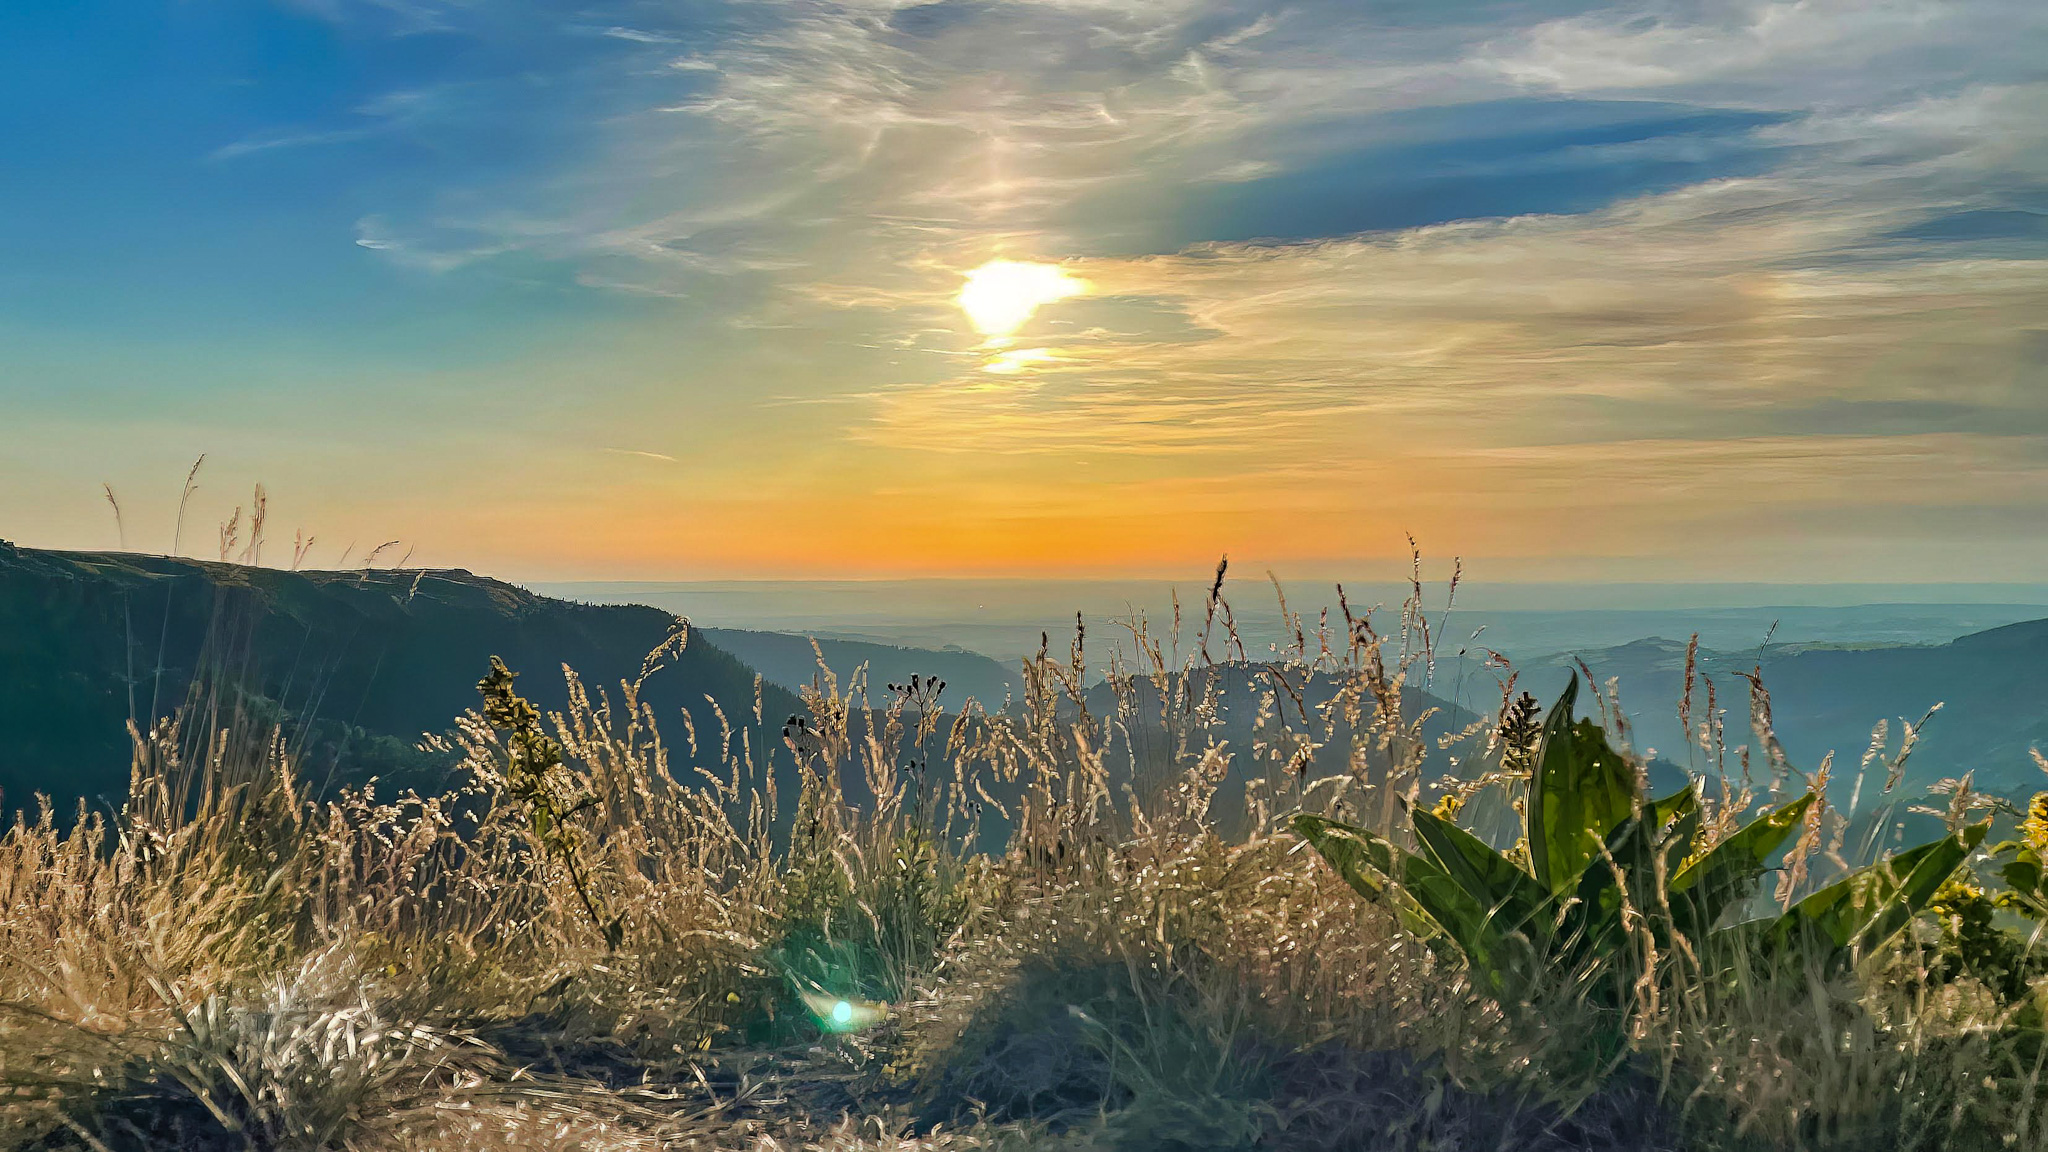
{"x":680,"y":288}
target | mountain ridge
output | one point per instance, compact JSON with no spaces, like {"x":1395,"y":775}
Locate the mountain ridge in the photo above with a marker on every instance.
{"x":1991,"y":685}
{"x":92,"y":640}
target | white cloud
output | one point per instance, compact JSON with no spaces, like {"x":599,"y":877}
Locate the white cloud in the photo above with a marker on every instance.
{"x":266,"y":141}
{"x":1727,"y":305}
{"x":444,"y":254}
{"x":1776,"y":53}
{"x":834,"y":170}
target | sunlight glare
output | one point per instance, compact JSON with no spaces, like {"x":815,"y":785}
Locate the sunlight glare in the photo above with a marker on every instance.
{"x":1018,"y":360}
{"x":1000,"y":296}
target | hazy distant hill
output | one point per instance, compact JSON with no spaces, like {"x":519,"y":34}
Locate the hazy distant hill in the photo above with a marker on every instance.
{"x":375,"y":657}
{"x":789,"y":660}
{"x":1004,"y":619}
{"x":1993,"y":686}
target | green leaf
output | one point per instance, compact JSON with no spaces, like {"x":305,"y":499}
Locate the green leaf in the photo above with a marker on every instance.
{"x":1680,"y":832}
{"x":1869,"y":906}
{"x":1454,"y":910}
{"x":2020,"y":867}
{"x":1673,"y":807}
{"x":1365,"y":861}
{"x":2021,"y":873}
{"x":1581,"y":792}
{"x":1509,"y":897}
{"x":1589,"y":927}
{"x":1679,"y":841}
{"x":1378,"y":870}
{"x":1633,"y":850}
{"x":1703,"y":890}
{"x":1490,"y":952}
{"x":1635,"y":845}
{"x":1453,"y":903}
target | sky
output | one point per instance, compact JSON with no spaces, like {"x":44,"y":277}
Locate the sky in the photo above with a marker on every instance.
{"x":782,"y":288}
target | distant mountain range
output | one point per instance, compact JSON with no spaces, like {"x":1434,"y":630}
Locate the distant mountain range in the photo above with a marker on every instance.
{"x":360,"y":663}
{"x":1992,"y":686}
{"x":788,"y":659}
{"x":1006,"y":618}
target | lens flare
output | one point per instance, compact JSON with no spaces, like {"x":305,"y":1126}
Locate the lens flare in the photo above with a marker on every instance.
{"x":842,"y":1013}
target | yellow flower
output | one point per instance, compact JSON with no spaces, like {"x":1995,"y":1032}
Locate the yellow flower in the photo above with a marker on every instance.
{"x":1519,"y":853}
{"x":2034,"y":829}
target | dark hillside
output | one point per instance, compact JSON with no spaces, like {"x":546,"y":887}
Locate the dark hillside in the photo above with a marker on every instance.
{"x":370,"y":659}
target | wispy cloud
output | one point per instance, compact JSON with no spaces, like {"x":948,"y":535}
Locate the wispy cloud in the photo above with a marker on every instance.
{"x":1731,"y":300}
{"x":388,"y":112}
{"x":1784,"y":52}
{"x":1639,"y":257}
{"x":398,"y":17}
{"x":267,"y":141}
{"x":442,"y":251}
{"x":636,"y":36}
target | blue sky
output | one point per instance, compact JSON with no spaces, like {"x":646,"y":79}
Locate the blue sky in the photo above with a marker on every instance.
{"x":1676,"y":291}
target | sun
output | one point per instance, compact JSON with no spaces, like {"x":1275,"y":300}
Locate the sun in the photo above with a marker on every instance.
{"x":1001,"y":295}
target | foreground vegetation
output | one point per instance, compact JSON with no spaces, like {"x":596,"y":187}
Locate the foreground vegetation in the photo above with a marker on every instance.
{"x":1023,"y":929}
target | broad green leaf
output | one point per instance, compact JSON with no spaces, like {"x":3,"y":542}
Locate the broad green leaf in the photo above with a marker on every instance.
{"x":1673,"y":807}
{"x":1701,"y":891}
{"x":1663,"y":822}
{"x":1918,"y":885}
{"x":1679,"y":841}
{"x":1556,"y":729}
{"x":1511,"y":897}
{"x":1869,"y":906}
{"x":1376,"y":870}
{"x":1365,"y":861}
{"x":2020,"y":867}
{"x":1582,"y":791}
{"x":1632,"y":849}
{"x":1494,"y":955}
{"x":1454,"y":909}
{"x":1431,"y":903}
{"x":1664,"y":827}
{"x":2021,"y":873}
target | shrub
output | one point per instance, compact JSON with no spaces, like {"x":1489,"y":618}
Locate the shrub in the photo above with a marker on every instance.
{"x":1613,"y":880}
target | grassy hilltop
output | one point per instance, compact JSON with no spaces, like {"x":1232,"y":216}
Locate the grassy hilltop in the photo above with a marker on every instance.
{"x":1210,"y":904}
{"x":357,"y":664}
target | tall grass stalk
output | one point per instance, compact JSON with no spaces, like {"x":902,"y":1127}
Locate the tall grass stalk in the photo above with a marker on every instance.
{"x":897,"y":920}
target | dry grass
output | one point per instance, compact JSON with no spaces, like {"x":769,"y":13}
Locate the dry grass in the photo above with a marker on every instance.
{"x":233,"y":964}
